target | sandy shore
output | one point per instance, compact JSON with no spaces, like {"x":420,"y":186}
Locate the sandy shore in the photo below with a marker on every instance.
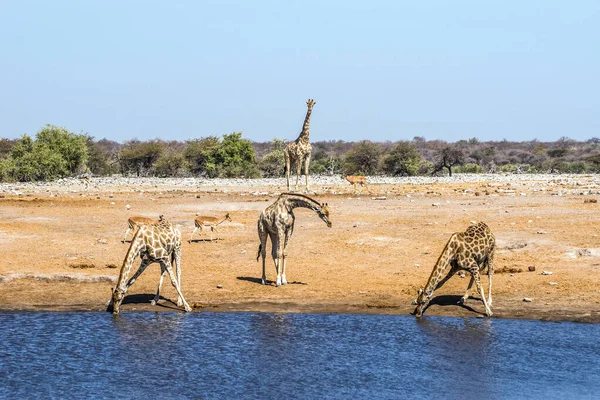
{"x":63,"y":250}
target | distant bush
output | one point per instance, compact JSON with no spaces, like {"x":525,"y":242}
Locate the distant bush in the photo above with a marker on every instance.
{"x":236,"y":158}
{"x":272,"y":164}
{"x":170,"y":163}
{"x":363,"y":158}
{"x":55,"y":153}
{"x":404,"y":160}
{"x":139,"y":157}
{"x":469,"y":169}
{"x":200,"y":156}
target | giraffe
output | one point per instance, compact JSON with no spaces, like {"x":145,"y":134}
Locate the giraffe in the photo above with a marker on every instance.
{"x":210,"y":222}
{"x":159,"y":242}
{"x":277,"y":221}
{"x":298,"y":151}
{"x":472,"y":250}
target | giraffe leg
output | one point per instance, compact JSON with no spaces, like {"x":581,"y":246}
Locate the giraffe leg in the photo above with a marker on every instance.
{"x":195,"y":229}
{"x":490,"y":266}
{"x":275,"y":252}
{"x":262,"y":248}
{"x":466,"y":296}
{"x":174,"y":282}
{"x":288,"y":234}
{"x":287,"y":168}
{"x":177,"y":262}
{"x":122,"y":286}
{"x":306,"y":170}
{"x":474,"y":268}
{"x":298,"y":172}
{"x":141,"y":269}
{"x":163,"y":272}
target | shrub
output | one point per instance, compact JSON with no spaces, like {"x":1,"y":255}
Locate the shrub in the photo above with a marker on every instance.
{"x":469,"y":169}
{"x":235,"y":157}
{"x":363,"y":159}
{"x":273,"y":163}
{"x":200,"y":156}
{"x":404,"y":159}
{"x":138,"y":157}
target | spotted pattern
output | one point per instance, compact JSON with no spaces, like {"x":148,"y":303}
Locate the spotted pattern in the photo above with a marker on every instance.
{"x":298,"y":152}
{"x":473,"y":251}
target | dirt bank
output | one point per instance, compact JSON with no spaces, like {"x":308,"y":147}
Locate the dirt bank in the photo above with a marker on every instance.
{"x":62,"y":247}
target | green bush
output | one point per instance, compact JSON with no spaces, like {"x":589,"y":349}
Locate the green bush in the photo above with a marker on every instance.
{"x":170,"y":163}
{"x":363,"y":158}
{"x":469,"y":168}
{"x":235,"y":157}
{"x":272,"y":164}
{"x":71,"y":147}
{"x":200,"y":156}
{"x":139,"y":157}
{"x":404,"y":160}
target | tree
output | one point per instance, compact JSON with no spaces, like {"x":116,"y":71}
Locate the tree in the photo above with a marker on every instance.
{"x":404,"y":159}
{"x":200,"y":156}
{"x":447,"y":158}
{"x":363,"y":158}
{"x":101,"y":159}
{"x":273,"y":163}
{"x":71,"y":147}
{"x":34,"y":161}
{"x":235,"y":157}
{"x":170,"y":163}
{"x":138,"y":157}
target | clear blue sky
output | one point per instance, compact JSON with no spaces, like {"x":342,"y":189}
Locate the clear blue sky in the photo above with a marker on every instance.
{"x":378,"y":70}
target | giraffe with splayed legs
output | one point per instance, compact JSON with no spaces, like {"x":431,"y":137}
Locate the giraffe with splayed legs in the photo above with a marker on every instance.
{"x":159,"y":242}
{"x":298,"y":152}
{"x":473,"y":251}
{"x":277,"y":222}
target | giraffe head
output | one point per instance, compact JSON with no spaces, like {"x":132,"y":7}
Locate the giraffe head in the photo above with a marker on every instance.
{"x":310,"y":103}
{"x":324,"y":214}
{"x":422,"y":301}
{"x":117,"y":297}
{"x":227,"y":217}
{"x":160,"y":217}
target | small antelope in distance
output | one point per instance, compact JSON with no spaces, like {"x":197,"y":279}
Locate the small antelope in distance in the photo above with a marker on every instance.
{"x":211,"y":222}
{"x":354,"y":179}
{"x":137,"y":221}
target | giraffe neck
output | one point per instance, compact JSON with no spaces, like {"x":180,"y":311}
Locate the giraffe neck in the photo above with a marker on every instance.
{"x":441,"y":265}
{"x":137,"y":244}
{"x":299,"y":201}
{"x":305,"y":134}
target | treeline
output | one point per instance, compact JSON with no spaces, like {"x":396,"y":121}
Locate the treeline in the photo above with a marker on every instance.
{"x":56,"y":153}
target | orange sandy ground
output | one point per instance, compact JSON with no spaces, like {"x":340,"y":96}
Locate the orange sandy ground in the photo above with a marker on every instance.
{"x":373,"y":259}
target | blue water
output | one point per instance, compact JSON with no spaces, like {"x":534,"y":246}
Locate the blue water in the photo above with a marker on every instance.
{"x":289,"y":356}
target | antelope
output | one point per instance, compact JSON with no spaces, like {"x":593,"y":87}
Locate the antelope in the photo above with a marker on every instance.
{"x":211,"y":222}
{"x":354,"y":179}
{"x":137,"y":221}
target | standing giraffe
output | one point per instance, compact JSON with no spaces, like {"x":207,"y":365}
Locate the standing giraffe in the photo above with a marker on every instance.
{"x":159,"y":242}
{"x":298,"y":151}
{"x":472,"y":250}
{"x":277,"y":221}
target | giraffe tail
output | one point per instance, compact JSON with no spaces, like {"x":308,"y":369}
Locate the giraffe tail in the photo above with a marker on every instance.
{"x":259,"y":250}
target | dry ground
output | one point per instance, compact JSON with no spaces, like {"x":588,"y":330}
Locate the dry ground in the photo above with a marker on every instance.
{"x":63,"y":251}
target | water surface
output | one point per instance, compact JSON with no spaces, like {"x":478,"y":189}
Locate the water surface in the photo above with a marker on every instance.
{"x":288,"y":356}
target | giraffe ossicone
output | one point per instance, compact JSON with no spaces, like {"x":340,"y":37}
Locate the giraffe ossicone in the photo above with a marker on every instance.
{"x":473,"y":251}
